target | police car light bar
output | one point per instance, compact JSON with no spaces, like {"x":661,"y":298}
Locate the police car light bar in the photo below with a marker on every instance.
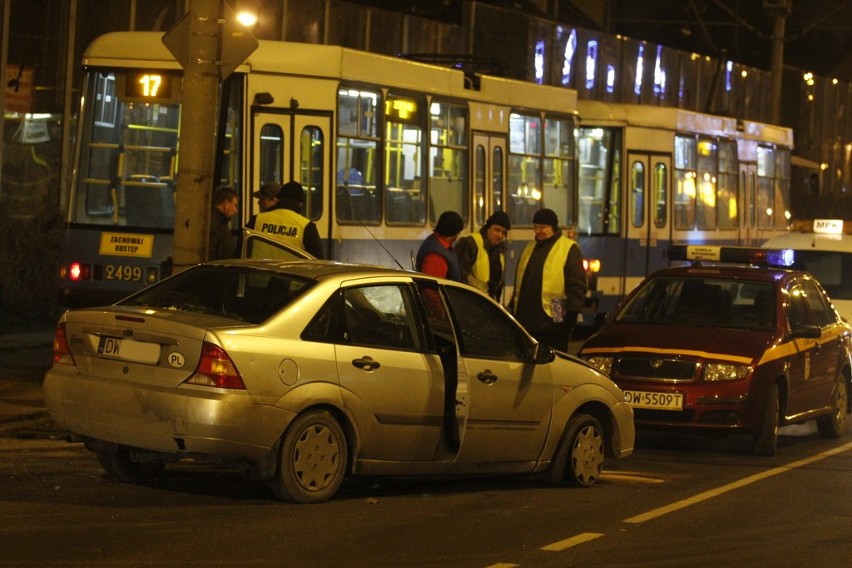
{"x":747,"y":255}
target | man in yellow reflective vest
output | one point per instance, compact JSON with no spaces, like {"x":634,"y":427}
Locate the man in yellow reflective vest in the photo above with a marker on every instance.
{"x":550,"y":283}
{"x":285,"y":223}
{"x":482,"y":255}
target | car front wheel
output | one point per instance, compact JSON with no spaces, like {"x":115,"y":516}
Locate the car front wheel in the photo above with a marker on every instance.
{"x":580,"y":456}
{"x":313,"y":459}
{"x":834,"y":425}
{"x":766,"y":440}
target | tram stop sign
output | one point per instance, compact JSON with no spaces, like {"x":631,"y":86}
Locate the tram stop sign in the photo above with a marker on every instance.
{"x":236,"y":42}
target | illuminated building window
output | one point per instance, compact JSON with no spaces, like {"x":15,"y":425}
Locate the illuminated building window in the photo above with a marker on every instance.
{"x":570,"y":49}
{"x":591,"y":63}
{"x":610,"y":78}
{"x":640,"y":60}
{"x":539,"y":62}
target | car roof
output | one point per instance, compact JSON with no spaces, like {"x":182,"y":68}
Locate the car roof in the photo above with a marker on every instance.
{"x":811,"y":241}
{"x":317,"y":269}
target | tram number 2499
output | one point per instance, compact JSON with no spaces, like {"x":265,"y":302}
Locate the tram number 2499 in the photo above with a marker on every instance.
{"x":122,"y":272}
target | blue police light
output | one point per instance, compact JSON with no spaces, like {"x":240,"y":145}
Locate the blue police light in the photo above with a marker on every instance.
{"x":745,"y":255}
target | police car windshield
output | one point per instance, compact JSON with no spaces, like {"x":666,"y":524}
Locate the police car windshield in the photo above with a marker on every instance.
{"x":695,"y":301}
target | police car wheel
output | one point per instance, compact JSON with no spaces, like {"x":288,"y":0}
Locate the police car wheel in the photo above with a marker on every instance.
{"x":834,"y":425}
{"x":766,"y":440}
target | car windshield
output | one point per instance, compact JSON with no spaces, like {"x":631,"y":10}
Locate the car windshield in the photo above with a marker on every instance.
{"x":246,"y":294}
{"x":693,"y":301}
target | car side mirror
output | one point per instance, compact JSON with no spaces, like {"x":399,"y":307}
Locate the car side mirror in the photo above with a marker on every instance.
{"x":806,"y":332}
{"x":542,"y":354}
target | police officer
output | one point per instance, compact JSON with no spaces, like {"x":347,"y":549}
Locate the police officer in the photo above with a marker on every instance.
{"x":550,"y":283}
{"x":482,"y":255}
{"x":285,"y":223}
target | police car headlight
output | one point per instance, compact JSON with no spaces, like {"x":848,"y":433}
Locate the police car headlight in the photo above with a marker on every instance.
{"x":725,"y":372}
{"x":602,"y":364}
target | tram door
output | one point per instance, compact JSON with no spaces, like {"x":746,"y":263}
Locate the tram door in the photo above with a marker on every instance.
{"x":489,"y":182}
{"x":288,"y":146}
{"x":489,"y":186}
{"x":648,"y":204}
{"x":747,"y":212}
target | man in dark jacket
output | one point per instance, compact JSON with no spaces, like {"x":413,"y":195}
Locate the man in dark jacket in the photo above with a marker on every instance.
{"x":550,"y":283}
{"x":436,"y":256}
{"x":221,"y":242}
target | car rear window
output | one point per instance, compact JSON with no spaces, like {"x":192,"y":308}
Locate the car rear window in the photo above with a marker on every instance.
{"x":702,"y":302}
{"x":242,"y":293}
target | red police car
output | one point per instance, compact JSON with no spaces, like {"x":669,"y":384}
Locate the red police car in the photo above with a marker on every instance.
{"x":732,"y":343}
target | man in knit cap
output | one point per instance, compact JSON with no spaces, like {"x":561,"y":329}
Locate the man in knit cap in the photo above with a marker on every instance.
{"x":550,"y":283}
{"x":436,"y":256}
{"x":482,"y":255}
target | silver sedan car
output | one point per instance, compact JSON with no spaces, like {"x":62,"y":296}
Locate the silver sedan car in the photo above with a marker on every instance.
{"x":311,"y":371}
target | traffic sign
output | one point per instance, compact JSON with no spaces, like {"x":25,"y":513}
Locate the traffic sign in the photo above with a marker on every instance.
{"x":235,"y":41}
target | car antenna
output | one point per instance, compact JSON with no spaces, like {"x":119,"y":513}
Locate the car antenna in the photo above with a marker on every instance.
{"x":381,"y":244}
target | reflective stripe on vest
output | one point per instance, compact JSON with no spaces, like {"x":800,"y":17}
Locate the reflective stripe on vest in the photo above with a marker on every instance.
{"x":480,"y":272}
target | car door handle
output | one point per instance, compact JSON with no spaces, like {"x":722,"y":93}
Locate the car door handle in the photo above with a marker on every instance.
{"x":486,"y":377}
{"x":367,"y":363}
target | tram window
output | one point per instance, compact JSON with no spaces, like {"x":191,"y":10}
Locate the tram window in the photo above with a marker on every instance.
{"x":525,"y":164}
{"x":660,"y":195}
{"x":271,"y":153}
{"x":637,"y":193}
{"x":685,"y":182}
{"x":403,"y":175}
{"x":705,"y":199}
{"x":498,"y":202}
{"x":599,"y":155}
{"x":558,"y":167}
{"x":448,"y":161}
{"x":312,"y":170}
{"x":358,"y":157}
{"x":127,"y":159}
{"x":782,"y":187}
{"x":726,"y":196}
{"x":479,"y":186}
{"x":765,"y":187}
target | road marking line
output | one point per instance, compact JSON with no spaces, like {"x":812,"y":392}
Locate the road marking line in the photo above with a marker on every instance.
{"x":659,"y":512}
{"x":569,"y":542}
{"x":503,"y":565}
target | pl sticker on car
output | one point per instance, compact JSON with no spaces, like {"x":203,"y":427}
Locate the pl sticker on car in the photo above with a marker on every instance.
{"x":175,"y":359}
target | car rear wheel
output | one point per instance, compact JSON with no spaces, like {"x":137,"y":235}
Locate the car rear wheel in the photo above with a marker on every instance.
{"x":834,"y":425}
{"x":122,"y":463}
{"x":580,"y":456}
{"x":766,"y":440}
{"x":313,"y":459}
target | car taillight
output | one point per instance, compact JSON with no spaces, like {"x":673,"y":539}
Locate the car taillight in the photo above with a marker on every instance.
{"x":215,"y":369}
{"x":61,"y":352}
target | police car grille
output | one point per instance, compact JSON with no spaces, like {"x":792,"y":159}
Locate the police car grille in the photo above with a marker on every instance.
{"x":674,"y":417}
{"x":656,"y":369}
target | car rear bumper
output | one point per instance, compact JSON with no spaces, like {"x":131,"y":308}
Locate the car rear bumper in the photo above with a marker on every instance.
{"x":183,"y":420}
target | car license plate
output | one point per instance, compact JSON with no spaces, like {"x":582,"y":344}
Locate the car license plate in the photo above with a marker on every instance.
{"x":654,"y":400}
{"x":129,"y":350}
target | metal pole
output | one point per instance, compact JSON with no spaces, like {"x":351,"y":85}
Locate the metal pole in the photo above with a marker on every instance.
{"x":4,"y":59}
{"x":69,"y":103}
{"x":198,"y":135}
{"x":780,"y":22}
